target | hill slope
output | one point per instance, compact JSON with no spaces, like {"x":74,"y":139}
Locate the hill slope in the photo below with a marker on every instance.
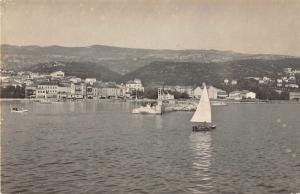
{"x":121,"y":60}
{"x":82,"y":70}
{"x":191,"y":73}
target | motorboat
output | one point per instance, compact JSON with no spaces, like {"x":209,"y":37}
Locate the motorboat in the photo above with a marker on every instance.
{"x":148,"y":109}
{"x":18,"y":110}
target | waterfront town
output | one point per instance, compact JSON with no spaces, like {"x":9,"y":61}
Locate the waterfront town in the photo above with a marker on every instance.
{"x":60,"y":87}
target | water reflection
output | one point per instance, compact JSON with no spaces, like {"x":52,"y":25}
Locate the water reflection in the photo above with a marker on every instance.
{"x":200,"y":144}
{"x":158,"y":121}
{"x":72,"y":106}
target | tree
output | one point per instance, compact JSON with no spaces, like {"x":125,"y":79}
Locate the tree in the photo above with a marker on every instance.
{"x":12,"y":92}
{"x":178,"y":95}
{"x":151,"y":93}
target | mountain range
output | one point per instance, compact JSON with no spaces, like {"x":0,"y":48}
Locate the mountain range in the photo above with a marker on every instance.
{"x":171,"y":67}
{"x":120,"y":60}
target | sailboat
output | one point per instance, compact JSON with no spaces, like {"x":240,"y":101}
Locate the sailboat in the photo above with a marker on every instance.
{"x":202,"y":115}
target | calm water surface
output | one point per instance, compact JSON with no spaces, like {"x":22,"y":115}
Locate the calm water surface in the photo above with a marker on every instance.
{"x":99,"y":147}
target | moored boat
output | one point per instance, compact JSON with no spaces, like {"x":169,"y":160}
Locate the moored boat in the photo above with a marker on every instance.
{"x":218,"y":103}
{"x":148,"y":109}
{"x":17,"y":110}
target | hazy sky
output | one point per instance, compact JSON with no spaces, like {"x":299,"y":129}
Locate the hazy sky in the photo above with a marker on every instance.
{"x":254,"y":26}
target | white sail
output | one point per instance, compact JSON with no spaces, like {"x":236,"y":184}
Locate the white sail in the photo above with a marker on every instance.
{"x":203,"y":111}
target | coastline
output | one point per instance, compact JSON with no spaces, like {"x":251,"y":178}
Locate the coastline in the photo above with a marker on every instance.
{"x":16,"y":99}
{"x":177,"y":101}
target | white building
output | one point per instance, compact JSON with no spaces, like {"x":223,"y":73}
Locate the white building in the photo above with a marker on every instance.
{"x":47,"y":90}
{"x":58,"y":74}
{"x":235,"y":95}
{"x":266,"y":79}
{"x":34,"y":75}
{"x":197,"y":92}
{"x":261,"y":81}
{"x":109,"y":91}
{"x":244,"y":94}
{"x":135,"y":85}
{"x":28,"y":82}
{"x":95,"y":92}
{"x":294,"y":96}
{"x":78,"y":91}
{"x":90,"y":81}
{"x":63,"y":91}
{"x":75,"y":79}
{"x":291,"y":86}
{"x":226,"y":81}
{"x":234,"y":82}
{"x":248,"y":95}
{"x":279,"y":82}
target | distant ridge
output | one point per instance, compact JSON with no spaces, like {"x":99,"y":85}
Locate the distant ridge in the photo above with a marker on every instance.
{"x":117,"y":59}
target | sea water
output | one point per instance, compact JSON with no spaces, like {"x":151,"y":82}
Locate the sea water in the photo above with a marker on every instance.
{"x":99,"y":147}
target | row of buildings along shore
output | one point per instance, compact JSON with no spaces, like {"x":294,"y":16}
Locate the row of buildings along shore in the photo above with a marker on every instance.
{"x":58,"y":86}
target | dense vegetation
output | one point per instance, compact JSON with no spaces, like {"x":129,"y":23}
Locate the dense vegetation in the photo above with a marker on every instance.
{"x":190,"y":73}
{"x":82,"y":70}
{"x":12,"y":92}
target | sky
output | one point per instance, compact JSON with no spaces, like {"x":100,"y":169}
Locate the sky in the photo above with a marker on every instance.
{"x":247,"y":26}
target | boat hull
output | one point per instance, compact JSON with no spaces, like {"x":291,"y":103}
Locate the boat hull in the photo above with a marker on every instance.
{"x":19,"y":111}
{"x":147,"y":110}
{"x":204,"y":127}
{"x":143,"y":112}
